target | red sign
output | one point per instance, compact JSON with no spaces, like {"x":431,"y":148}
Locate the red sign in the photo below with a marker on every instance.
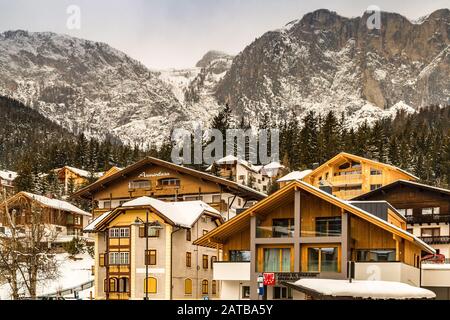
{"x":269,"y":279}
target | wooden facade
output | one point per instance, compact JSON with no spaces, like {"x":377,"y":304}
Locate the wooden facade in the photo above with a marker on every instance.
{"x":349,"y":176}
{"x":426,"y":208}
{"x":65,"y":221}
{"x":166,"y":181}
{"x":326,"y":233}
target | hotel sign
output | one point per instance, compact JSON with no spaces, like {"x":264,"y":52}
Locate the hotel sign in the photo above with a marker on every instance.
{"x":151,"y":175}
{"x":293,"y":276}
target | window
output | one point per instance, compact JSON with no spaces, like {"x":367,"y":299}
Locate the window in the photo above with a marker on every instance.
{"x":375,"y":172}
{"x":430,"y":232}
{"x":113,"y":285}
{"x":152,"y":232}
{"x":170,"y":182}
{"x":140,"y":184}
{"x":188,"y":259}
{"x":246,"y":292}
{"x":406,"y":212}
{"x":119,"y":232}
{"x":213,"y":259}
{"x":205,"y":287}
{"x":277,"y":260}
{"x":192,"y":198}
{"x":150,"y":257}
{"x":106,"y":204}
{"x":410,"y":230}
{"x":205,"y":261}
{"x":282,"y":293}
{"x":241,"y":177}
{"x":216,"y":199}
{"x":375,"y":186}
{"x":375,"y":255}
{"x":239,"y":202}
{"x":435,"y":210}
{"x":323,"y":259}
{"x":239,"y":256}
{"x":101,"y":260}
{"x":188,"y":287}
{"x":213,"y":287}
{"x":77,"y":220}
{"x":123,"y":285}
{"x":328,"y":226}
{"x":264,"y":188}
{"x":150,"y":285}
{"x":282,"y":228}
{"x":119,"y":258}
{"x":188,"y":234}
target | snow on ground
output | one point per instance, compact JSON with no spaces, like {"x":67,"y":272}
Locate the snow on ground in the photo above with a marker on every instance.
{"x":366,"y":289}
{"x":72,"y":274}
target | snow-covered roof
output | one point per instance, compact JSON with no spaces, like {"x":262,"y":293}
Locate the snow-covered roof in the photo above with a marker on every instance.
{"x":83,"y":173}
{"x":56,"y":204}
{"x":183,"y":213}
{"x":8,"y":175}
{"x":273,"y":165}
{"x":364,"y":289}
{"x":294,"y":175}
{"x":91,"y":226}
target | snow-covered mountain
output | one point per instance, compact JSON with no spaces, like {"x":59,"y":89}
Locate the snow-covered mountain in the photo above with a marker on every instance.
{"x":87,"y":86}
{"x":321,"y":62}
{"x":327,"y":62}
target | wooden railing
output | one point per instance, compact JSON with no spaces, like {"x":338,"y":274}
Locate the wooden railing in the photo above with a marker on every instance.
{"x":428,"y":218}
{"x":436,"y":239}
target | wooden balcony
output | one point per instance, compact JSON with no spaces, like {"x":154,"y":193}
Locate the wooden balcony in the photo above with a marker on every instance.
{"x":351,"y":179}
{"x":428,"y":218}
{"x":436,"y":239}
{"x":347,"y":194}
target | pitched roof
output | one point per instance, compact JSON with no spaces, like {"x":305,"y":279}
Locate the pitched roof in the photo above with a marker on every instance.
{"x":244,"y":218}
{"x":294,"y":175}
{"x":8,"y":175}
{"x":402,"y":182}
{"x":49,"y":203}
{"x":362,"y":159}
{"x":236,"y":187}
{"x":183,"y":214}
{"x":360,"y":289}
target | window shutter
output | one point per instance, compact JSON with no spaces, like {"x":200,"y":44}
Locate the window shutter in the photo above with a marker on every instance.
{"x":142,"y":232}
{"x":101,"y":260}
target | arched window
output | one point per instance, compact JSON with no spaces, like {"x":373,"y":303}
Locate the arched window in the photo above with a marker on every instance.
{"x":112,"y":285}
{"x":150,"y":285}
{"x":213,"y":287}
{"x":188,"y":286}
{"x":123,"y":285}
{"x":205,"y":287}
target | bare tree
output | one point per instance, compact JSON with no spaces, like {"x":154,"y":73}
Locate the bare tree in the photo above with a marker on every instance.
{"x":25,"y":257}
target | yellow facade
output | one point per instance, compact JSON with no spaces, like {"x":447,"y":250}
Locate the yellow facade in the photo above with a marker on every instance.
{"x":349,"y":176}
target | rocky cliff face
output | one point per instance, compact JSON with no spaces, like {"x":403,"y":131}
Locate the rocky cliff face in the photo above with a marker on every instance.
{"x":87,"y":86}
{"x":327,"y":62}
{"x":322,"y":62}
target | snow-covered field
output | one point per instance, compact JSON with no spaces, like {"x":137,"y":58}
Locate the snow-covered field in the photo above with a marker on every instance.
{"x":72,"y":274}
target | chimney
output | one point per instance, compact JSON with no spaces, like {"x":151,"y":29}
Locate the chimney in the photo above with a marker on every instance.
{"x":315,"y":165}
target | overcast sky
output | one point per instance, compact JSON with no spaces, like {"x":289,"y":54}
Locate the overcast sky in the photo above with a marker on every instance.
{"x":176,"y":33}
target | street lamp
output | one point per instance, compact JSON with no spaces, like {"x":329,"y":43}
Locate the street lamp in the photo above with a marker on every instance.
{"x":155,"y":225}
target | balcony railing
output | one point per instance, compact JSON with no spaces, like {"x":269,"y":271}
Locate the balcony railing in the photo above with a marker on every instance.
{"x":436,"y":239}
{"x":428,"y":218}
{"x":274,"y":232}
{"x":348,"y":194}
{"x":347,"y":179}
